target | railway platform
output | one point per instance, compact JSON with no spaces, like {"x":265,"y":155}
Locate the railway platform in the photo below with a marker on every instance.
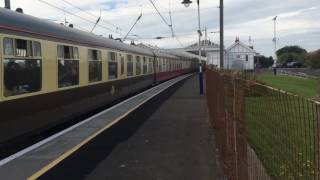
{"x":162,"y":134}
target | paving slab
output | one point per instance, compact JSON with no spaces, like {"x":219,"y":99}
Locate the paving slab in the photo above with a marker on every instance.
{"x":35,"y":160}
{"x":168,"y":138}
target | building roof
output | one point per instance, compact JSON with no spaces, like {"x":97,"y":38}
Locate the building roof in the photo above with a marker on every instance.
{"x":205,"y":43}
{"x":238,"y":42}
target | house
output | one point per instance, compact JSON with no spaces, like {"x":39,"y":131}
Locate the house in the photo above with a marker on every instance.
{"x":239,"y":56}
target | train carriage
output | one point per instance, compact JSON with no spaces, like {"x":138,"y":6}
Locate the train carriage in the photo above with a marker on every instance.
{"x":51,"y":73}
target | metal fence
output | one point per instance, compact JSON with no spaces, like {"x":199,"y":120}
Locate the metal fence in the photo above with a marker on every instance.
{"x":261,"y":132}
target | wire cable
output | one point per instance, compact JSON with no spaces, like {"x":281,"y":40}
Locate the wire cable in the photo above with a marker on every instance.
{"x":84,"y":19}
{"x":90,"y":14}
{"x":163,"y":19}
{"x":133,"y":26}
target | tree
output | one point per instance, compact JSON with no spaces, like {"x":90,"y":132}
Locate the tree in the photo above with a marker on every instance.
{"x":263,"y":62}
{"x":290,"y":57}
{"x":313,"y":59}
{"x":292,"y":53}
{"x":291,"y":49}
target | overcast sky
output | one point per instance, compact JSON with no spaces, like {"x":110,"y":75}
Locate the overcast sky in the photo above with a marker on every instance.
{"x":298,"y":22}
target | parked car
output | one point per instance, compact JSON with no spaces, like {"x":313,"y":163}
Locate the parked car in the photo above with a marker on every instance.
{"x":294,"y":65}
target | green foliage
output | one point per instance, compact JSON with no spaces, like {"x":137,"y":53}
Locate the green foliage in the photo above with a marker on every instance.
{"x":281,"y":129}
{"x":291,"y":49}
{"x":290,"y":57}
{"x":264,"y":62}
{"x":300,"y":86}
{"x":313,"y":59}
{"x":292,"y":53}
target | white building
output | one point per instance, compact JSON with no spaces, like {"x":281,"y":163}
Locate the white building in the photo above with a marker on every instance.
{"x":239,"y":56}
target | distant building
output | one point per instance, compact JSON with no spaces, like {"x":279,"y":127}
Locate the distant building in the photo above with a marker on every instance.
{"x":209,"y":50}
{"x":240,"y":56}
{"x":237,"y":56}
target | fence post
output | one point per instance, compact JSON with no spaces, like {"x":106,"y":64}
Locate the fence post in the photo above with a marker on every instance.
{"x":317,"y":145}
{"x":318,"y":90}
{"x":241,"y":138}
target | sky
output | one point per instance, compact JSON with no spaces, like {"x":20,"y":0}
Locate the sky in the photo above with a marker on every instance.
{"x":297,"y":24}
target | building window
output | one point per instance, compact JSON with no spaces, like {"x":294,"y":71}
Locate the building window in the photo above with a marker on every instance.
{"x":95,"y":65}
{"x":68,"y":66}
{"x":145,"y":65}
{"x":150,"y":70}
{"x":138,"y":65}
{"x":129,"y":65}
{"x":21,"y":75}
{"x":113,"y":66}
{"x":247,"y":57}
{"x":238,"y":56}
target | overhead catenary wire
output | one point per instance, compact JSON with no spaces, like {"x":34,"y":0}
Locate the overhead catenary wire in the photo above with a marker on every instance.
{"x":90,"y":14}
{"x":80,"y":17}
{"x":171,"y":26}
{"x":102,"y":25}
{"x":133,"y":26}
{"x":163,"y":19}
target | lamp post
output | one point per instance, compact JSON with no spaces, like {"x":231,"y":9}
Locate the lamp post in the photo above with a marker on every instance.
{"x":187,"y":3}
{"x":221,"y":34}
{"x":275,"y":44}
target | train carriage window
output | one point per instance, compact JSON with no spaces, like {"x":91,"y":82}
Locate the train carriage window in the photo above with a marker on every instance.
{"x":160,"y":65}
{"x":36,"y":49}
{"x":21,"y":75}
{"x":145,"y":65}
{"x":150,"y":70}
{"x":8,"y":47}
{"x":95,"y":65}
{"x":122,"y":64}
{"x":68,"y":66}
{"x":138,"y":65}
{"x":113,"y":66}
{"x":129,"y":65}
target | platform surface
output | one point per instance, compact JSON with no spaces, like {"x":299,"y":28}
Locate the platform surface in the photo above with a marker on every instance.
{"x":43,"y":156}
{"x":173,"y":141}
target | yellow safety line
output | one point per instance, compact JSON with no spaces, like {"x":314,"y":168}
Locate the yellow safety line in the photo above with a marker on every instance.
{"x":74,"y":149}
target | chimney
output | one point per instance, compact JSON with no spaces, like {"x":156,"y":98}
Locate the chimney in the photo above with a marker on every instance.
{"x":237,"y":39}
{"x":7,"y":4}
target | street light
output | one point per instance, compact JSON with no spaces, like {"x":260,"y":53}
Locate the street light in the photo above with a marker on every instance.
{"x":275,"y":44}
{"x":187,"y":3}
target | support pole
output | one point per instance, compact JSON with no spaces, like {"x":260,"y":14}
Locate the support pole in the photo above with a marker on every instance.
{"x":275,"y":45}
{"x":221,"y":36}
{"x":200,"y":63}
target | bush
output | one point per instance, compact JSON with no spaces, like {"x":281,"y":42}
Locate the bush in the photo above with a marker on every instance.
{"x":292,"y":54}
{"x":292,"y":57}
{"x":313,"y":59}
{"x":263,"y":62}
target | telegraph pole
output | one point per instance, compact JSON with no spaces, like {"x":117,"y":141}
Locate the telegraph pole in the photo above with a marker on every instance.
{"x":221,"y":35}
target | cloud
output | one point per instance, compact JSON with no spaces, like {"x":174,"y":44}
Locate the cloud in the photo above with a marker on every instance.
{"x":297,"y":22}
